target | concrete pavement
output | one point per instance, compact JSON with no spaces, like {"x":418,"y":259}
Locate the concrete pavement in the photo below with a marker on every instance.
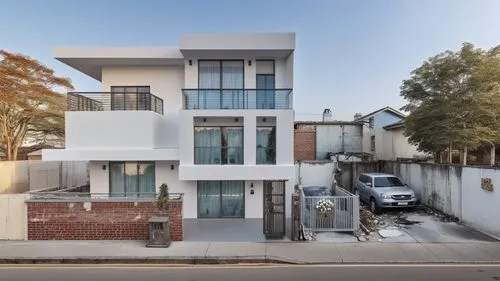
{"x":263,"y":273}
{"x":246,"y":252}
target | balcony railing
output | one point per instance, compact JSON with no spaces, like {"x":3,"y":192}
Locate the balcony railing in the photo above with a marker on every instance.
{"x":237,"y":99}
{"x":107,"y":101}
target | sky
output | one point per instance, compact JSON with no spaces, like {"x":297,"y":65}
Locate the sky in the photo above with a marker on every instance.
{"x":351,"y":56}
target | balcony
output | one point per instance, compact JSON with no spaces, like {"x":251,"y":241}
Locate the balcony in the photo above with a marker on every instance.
{"x":108,"y":101}
{"x":237,"y":99}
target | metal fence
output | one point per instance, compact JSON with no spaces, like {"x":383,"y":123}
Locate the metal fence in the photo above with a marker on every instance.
{"x":237,"y":99}
{"x":106,"y":101}
{"x":344,"y":217}
{"x":86,"y":196}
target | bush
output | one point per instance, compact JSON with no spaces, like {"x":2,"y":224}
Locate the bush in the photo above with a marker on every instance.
{"x":163,"y":197}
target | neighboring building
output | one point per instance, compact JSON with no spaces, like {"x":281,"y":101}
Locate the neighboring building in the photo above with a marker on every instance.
{"x":383,"y":135}
{"x":212,"y":118}
{"x":317,"y":140}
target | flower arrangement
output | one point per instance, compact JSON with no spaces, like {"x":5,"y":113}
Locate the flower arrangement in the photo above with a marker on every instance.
{"x":325,"y":207}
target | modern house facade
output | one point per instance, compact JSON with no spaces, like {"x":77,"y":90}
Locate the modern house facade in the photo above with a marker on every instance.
{"x":213,"y":119}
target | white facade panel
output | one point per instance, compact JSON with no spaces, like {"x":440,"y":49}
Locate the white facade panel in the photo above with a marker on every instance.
{"x":112,"y":154}
{"x":237,"y":172}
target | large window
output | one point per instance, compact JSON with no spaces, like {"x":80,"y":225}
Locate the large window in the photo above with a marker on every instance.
{"x":221,"y":84}
{"x":130,"y":98}
{"x":266,"y":145}
{"x":132,"y":179}
{"x":218,"y":145}
{"x":221,"y":199}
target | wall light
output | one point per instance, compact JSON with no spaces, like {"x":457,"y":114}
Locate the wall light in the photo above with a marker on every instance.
{"x":190,"y":62}
{"x":249,"y":63}
{"x":104,"y":167}
{"x":235,"y":119}
{"x":204,"y":119}
{"x":171,"y":167}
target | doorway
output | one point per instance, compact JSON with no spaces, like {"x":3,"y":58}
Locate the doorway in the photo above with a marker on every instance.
{"x":274,"y":209}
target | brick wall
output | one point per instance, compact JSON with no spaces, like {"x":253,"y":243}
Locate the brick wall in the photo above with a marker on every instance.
{"x":99,"y":220}
{"x":305,"y":145}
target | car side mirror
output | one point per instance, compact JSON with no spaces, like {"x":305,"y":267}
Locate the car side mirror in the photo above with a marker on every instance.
{"x":369,"y":184}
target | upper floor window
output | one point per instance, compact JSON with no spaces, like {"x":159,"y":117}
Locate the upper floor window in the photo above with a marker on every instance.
{"x":266,"y":145}
{"x":218,"y":145}
{"x":266,"y":95}
{"x":130,"y":98}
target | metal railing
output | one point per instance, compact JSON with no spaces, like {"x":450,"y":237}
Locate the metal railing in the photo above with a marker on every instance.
{"x":110,"y":101}
{"x":345,"y":216}
{"x":237,"y":99}
{"x":86,"y":196}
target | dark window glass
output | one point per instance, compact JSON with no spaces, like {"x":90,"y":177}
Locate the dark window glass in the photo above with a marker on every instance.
{"x":387,"y":182}
{"x":132,"y":179}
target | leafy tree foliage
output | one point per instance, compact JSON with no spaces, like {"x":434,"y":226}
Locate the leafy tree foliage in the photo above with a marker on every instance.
{"x":29,"y":102}
{"x":454,"y":100}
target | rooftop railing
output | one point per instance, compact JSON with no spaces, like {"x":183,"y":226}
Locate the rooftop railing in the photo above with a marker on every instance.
{"x":110,"y":101}
{"x":237,"y":99}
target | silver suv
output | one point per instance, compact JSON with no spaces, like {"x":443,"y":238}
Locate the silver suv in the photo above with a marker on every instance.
{"x":384,"y":191}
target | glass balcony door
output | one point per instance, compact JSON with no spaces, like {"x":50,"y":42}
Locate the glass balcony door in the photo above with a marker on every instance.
{"x":221,"y":84}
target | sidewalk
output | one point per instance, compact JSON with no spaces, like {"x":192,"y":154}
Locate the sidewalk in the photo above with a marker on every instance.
{"x":221,"y":252}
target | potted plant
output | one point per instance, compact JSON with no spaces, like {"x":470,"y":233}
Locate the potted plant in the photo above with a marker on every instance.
{"x":163,"y":196}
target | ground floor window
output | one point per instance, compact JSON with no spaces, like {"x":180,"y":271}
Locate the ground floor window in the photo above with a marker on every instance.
{"x":132,"y":179}
{"x":221,"y":199}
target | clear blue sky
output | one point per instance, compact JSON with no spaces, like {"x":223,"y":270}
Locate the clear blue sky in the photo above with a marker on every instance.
{"x":351,"y":55}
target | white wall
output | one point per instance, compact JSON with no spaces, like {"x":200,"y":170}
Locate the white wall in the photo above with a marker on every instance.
{"x":456,"y":191}
{"x":314,"y":174}
{"x":99,"y":177}
{"x":13,"y":217}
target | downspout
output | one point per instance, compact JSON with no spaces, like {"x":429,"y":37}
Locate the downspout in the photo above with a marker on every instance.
{"x":343,"y":137}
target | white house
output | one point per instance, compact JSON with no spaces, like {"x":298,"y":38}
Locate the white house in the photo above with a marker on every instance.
{"x":383,"y":135}
{"x":212,"y":118}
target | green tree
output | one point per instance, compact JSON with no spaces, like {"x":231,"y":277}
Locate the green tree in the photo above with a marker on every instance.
{"x":29,"y":102}
{"x":454,"y":101}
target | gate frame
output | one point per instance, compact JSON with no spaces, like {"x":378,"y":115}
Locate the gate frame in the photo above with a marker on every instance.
{"x":267,"y":215}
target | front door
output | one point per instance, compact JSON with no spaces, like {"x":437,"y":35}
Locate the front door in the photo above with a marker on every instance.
{"x":221,"y":199}
{"x":274,"y":209}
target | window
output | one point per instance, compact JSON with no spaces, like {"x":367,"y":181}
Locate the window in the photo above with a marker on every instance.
{"x":265,"y":84}
{"x":132,"y":179}
{"x":365,"y":179}
{"x":218,"y":145}
{"x":372,"y":143}
{"x":221,"y":84}
{"x":221,"y":199}
{"x":387,"y":182}
{"x":266,"y":145}
{"x":130,"y":98}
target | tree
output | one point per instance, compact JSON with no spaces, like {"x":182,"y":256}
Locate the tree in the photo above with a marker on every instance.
{"x":30,"y":105}
{"x":454,"y":101}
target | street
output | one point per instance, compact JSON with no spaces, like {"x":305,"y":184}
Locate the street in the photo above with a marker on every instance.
{"x":250,"y":273}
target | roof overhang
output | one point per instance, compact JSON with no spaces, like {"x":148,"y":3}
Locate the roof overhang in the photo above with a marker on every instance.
{"x":91,"y":60}
{"x":256,"y":45}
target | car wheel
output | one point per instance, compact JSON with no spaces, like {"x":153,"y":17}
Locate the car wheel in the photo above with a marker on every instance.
{"x":374,"y":208}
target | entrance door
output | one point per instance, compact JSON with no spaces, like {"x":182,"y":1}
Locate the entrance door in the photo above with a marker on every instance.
{"x":221,"y":199}
{"x":274,"y":209}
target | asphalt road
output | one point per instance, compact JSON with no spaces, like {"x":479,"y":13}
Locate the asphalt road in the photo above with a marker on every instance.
{"x":252,"y":273}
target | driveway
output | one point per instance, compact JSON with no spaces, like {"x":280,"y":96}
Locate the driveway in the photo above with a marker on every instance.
{"x":420,"y":226}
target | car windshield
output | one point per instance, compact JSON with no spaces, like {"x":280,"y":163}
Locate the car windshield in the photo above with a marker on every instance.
{"x":387,"y":182}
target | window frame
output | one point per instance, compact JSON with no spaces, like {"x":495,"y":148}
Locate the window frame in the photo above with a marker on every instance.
{"x":273,"y":129}
{"x":138,"y":94}
{"x":222,"y":148}
{"x":137,"y":194}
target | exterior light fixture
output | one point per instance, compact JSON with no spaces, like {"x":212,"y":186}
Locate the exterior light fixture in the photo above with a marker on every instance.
{"x":190,"y":62}
{"x":249,"y":62}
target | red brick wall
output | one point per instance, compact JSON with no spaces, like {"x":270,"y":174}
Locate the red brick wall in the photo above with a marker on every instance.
{"x":103,"y":221}
{"x":305,"y":145}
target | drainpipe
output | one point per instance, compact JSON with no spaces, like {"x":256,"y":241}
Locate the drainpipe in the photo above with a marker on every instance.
{"x":343,"y":136}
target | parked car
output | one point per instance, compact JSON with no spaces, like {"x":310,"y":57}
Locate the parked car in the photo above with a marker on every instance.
{"x":384,"y":191}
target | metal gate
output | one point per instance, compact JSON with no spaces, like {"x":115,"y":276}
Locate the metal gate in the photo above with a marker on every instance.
{"x":274,"y":209}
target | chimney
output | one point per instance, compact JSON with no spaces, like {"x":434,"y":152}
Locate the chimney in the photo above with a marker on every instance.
{"x":327,"y":115}
{"x":357,"y":116}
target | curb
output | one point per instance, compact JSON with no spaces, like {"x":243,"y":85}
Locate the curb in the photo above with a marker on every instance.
{"x":214,"y":260}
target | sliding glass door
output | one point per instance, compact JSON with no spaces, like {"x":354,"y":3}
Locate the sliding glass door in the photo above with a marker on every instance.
{"x":221,"y":84}
{"x":221,"y":199}
{"x":132,"y":179}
